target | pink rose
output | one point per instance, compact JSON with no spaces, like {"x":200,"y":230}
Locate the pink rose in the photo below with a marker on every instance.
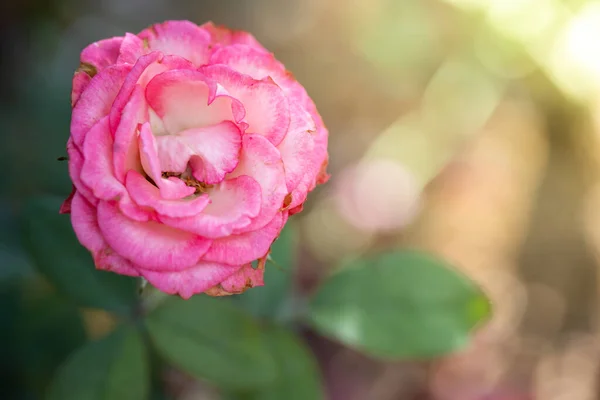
{"x":190,"y":146}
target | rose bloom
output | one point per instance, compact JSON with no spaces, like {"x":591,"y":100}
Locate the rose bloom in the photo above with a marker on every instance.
{"x":190,"y":147}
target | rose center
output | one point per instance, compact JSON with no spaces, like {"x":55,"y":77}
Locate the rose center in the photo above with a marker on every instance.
{"x":189,"y":180}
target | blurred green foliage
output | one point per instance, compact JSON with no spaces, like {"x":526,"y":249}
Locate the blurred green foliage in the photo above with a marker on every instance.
{"x":274,"y":299}
{"x":53,"y":246}
{"x":399,"y":305}
{"x":42,"y":330}
{"x":297,"y":371}
{"x":114,"y":367}
{"x":213,"y":340}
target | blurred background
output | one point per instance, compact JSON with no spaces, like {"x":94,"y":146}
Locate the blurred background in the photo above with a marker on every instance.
{"x":468,"y":128}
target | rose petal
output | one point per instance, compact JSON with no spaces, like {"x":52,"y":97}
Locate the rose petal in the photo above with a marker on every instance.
{"x":96,"y":100}
{"x":321,"y":139}
{"x":323,"y":176}
{"x":297,"y":147}
{"x":126,"y":154}
{"x":242,"y":280}
{"x":133,"y":211}
{"x":171,"y":188}
{"x":75,"y":165}
{"x":146,"y":194}
{"x":149,"y":245}
{"x":190,"y":281}
{"x":211,"y":151}
{"x":85,"y":225}
{"x":296,"y":209}
{"x":266,"y":108}
{"x":180,"y":38}
{"x":80,"y":81}
{"x":257,"y":64}
{"x":224,"y":36}
{"x":102,"y":54}
{"x":260,"y":65}
{"x":65,"y":207}
{"x":246,"y":247}
{"x":233,"y":203}
{"x":316,"y":174}
{"x":250,"y":61}
{"x":300,"y":193}
{"x":145,"y":68}
{"x":186,"y":99}
{"x":97,"y":170}
{"x":262,"y":161}
{"x":131,"y":49}
{"x":108,"y":260}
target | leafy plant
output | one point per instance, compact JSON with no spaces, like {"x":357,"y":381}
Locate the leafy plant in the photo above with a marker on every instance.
{"x":397,"y":305}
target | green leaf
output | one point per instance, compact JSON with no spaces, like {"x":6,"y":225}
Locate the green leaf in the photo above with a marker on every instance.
{"x":298,"y":373}
{"x":399,"y":305}
{"x":212,"y":339}
{"x":270,"y":300}
{"x":13,"y":258}
{"x":42,"y":329}
{"x":113,"y":368}
{"x":49,"y":329}
{"x":58,"y":255}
